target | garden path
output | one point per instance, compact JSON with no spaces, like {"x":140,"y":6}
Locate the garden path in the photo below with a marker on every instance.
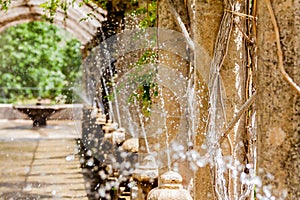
{"x":39,"y":163}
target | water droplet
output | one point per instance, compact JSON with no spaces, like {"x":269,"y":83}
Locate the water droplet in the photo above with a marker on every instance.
{"x":70,"y":157}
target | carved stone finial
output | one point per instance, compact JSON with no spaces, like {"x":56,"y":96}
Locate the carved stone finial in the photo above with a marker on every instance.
{"x":170,"y":189}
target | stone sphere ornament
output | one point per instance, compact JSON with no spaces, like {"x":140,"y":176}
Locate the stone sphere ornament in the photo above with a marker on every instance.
{"x":170,"y":188}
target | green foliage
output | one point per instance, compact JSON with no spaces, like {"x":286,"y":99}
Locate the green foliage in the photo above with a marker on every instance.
{"x":101,"y":3}
{"x":148,"y":14}
{"x":150,"y":19}
{"x":147,"y":88}
{"x":144,"y":96}
{"x":147,"y":57}
{"x":4,"y":4}
{"x":37,"y":61}
{"x":50,"y":8}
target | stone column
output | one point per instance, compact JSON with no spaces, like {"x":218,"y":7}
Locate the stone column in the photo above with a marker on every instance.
{"x":204,"y":28}
{"x":278,"y":104}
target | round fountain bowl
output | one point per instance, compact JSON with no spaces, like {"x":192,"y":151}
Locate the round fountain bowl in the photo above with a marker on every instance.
{"x":170,"y":189}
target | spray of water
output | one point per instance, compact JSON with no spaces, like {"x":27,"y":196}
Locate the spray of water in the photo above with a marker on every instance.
{"x":112,"y":79}
{"x":141,"y":116}
{"x":165,"y":123}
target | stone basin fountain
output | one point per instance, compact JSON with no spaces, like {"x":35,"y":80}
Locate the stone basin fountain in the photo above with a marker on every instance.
{"x":39,"y":113}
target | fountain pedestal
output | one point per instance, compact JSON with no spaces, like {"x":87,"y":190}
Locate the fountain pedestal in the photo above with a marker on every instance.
{"x":145,"y":177}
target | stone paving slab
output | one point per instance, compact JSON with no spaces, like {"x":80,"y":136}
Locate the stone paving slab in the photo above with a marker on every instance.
{"x":17,"y":146}
{"x":22,"y":130}
{"x":36,"y":164}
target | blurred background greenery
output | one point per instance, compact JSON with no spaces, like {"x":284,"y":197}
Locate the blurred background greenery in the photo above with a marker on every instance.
{"x":38,"y":60}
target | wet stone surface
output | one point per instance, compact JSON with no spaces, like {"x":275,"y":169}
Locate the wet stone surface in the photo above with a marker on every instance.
{"x":39,"y":163}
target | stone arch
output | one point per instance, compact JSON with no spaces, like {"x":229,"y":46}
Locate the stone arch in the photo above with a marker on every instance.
{"x":22,"y":11}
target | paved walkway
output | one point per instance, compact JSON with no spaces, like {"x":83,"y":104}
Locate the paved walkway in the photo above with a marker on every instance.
{"x":39,"y":163}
